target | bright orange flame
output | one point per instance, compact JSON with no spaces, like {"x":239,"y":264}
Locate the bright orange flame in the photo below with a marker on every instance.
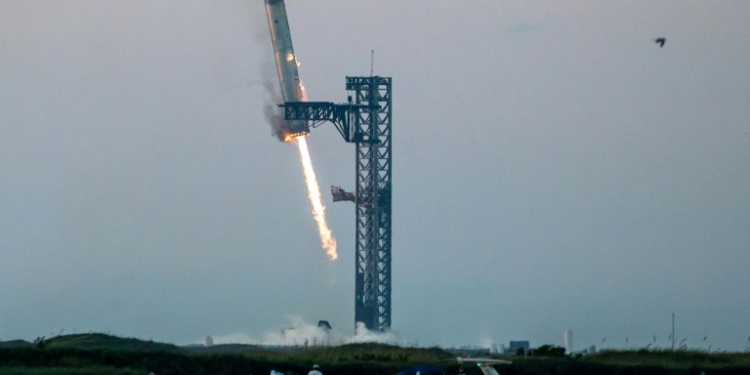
{"x":313,"y":190}
{"x":291,"y":136}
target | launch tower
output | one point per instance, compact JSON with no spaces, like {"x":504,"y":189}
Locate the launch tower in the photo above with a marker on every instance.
{"x":365,"y":121}
{"x":373,"y":199}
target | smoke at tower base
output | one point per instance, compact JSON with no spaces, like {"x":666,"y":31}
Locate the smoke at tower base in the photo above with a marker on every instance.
{"x":298,"y":331}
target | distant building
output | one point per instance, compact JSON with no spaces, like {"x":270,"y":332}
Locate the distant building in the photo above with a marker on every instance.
{"x":514,"y":346}
{"x":568,"y":337}
{"x":209,"y":341}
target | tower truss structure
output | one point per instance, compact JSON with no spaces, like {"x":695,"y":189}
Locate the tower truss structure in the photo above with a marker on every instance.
{"x":366,"y":122}
{"x":373,"y":199}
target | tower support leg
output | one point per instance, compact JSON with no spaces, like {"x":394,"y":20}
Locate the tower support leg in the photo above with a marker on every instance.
{"x":372,"y":132}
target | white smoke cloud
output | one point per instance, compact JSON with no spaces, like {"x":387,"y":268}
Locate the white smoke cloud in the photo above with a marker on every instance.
{"x":488,"y":343}
{"x":362,"y":334}
{"x":301,"y":333}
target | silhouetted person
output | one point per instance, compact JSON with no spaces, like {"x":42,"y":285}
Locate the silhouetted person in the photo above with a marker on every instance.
{"x":660,"y":41}
{"x":315,"y":371}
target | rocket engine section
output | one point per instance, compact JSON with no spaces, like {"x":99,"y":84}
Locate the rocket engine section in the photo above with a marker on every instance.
{"x":286,"y":64}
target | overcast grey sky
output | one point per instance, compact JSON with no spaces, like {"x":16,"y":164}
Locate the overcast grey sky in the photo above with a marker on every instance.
{"x":553,"y":169}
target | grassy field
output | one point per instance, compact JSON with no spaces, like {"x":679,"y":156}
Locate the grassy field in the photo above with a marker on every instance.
{"x":101,"y":341}
{"x":67,"y":371}
{"x":86,"y":354}
{"x":681,"y":359}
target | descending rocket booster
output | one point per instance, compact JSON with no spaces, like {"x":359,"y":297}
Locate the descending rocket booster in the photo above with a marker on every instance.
{"x":293,"y":91}
{"x":286,"y":63}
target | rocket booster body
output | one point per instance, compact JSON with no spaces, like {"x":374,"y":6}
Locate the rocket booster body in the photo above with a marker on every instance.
{"x":286,"y":62}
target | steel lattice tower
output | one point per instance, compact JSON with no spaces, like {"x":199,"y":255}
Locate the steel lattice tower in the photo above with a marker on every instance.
{"x":365,"y":121}
{"x":373,"y":232}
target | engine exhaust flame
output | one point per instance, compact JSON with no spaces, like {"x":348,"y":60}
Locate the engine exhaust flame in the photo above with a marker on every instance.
{"x":326,"y":238}
{"x":291,"y":136}
{"x":292,"y":90}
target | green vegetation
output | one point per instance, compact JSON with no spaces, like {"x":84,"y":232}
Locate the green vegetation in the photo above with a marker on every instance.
{"x":365,"y":353}
{"x":67,"y":371}
{"x":680,"y":359}
{"x":93,"y":341}
{"x":14,"y":344}
{"x":92,"y":354}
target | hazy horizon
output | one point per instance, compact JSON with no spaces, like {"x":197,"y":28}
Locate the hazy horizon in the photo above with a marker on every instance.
{"x":553,"y":169}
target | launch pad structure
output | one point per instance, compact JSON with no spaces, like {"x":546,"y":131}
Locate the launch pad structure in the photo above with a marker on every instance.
{"x":365,"y":121}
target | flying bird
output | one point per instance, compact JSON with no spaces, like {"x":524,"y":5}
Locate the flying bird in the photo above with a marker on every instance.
{"x":660,"y":41}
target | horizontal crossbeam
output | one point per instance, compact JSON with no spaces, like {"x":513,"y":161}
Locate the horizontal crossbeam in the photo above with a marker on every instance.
{"x":317,"y":113}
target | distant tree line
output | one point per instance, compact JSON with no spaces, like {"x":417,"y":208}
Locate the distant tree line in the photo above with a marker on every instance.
{"x":43,"y":357}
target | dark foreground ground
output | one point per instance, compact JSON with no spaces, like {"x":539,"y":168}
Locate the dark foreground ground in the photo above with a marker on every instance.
{"x":93,"y":354}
